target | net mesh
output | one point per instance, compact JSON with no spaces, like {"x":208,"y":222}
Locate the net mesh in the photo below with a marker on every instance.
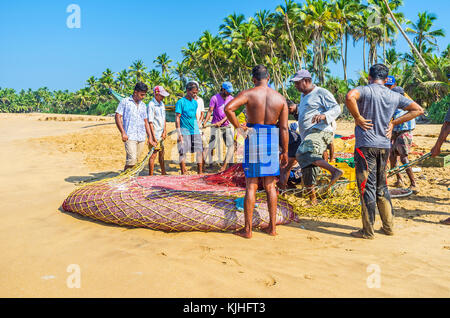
{"x":173,"y":203}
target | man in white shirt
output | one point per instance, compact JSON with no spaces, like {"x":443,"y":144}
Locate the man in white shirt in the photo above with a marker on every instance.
{"x":131,"y":120}
{"x":156,"y":112}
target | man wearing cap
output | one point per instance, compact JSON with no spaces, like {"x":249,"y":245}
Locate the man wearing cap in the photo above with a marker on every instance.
{"x":156,"y":112}
{"x":189,"y":138}
{"x":221,"y":124}
{"x":316,"y":112}
{"x":131,"y":120}
{"x":402,"y":139}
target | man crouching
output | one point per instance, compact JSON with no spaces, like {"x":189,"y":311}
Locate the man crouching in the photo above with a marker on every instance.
{"x":265,"y":108}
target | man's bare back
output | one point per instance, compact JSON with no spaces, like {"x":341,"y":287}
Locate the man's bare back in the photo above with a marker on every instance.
{"x":265,"y":107}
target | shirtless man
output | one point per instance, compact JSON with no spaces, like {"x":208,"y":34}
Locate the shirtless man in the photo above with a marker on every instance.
{"x":265,"y":108}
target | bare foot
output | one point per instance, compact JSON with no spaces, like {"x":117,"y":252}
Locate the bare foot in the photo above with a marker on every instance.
{"x":414,"y":189}
{"x":243,"y":233}
{"x":334,"y":178}
{"x":271,"y":232}
{"x":399,"y":184}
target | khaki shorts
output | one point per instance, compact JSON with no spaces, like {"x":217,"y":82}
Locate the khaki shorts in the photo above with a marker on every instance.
{"x":133,"y":150}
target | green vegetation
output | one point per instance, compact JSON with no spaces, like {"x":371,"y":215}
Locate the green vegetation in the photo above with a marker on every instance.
{"x":309,"y":34}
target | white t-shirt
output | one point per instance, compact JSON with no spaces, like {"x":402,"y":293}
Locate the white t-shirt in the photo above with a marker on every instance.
{"x":200,"y":108}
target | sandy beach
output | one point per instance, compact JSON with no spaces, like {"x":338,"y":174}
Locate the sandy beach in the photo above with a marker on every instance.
{"x":43,"y":157}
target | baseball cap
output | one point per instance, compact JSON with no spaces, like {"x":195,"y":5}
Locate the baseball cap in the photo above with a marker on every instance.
{"x":160,"y":90}
{"x":228,"y":87}
{"x":390,"y":80}
{"x":399,"y":90}
{"x":301,"y":75}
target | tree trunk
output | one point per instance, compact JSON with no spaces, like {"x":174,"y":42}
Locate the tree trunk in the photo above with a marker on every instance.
{"x":409,"y":41}
{"x":364,"y":52}
{"x":291,"y":38}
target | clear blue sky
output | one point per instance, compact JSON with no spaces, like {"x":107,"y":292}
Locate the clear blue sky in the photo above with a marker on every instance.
{"x":37,"y":49}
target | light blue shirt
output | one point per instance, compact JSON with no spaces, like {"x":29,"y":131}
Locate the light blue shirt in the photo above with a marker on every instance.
{"x":156,"y":113}
{"x":133,"y":119}
{"x":409,"y":125}
{"x":188,"y":121}
{"x":318,"y":102}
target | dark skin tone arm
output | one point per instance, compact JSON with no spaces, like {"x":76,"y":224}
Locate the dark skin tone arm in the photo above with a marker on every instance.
{"x":119,"y":124}
{"x":254,"y":116}
{"x":414,"y":110}
{"x":445,"y":130}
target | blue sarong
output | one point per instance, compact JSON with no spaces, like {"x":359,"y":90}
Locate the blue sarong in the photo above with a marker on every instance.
{"x":262,"y":152}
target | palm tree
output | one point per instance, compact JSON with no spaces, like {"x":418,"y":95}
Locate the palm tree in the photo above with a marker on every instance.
{"x":248,"y":35}
{"x":210,"y":49}
{"x":408,"y":40}
{"x":137,"y":69}
{"x":383,"y":8}
{"x":163,"y":61}
{"x":289,"y":15}
{"x":231,"y":24}
{"x":318,"y":18}
{"x":345,"y":12}
{"x":422,"y":30}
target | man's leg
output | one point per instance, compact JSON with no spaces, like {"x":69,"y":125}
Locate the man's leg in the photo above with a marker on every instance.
{"x":335,"y":172}
{"x":211,"y":146}
{"x":161,"y":162}
{"x":151,"y":163}
{"x":309,"y":176}
{"x":272,"y":202}
{"x":131,"y":154}
{"x":249,"y":206}
{"x":229,"y":143}
{"x":284,"y":175}
{"x":366,"y":176}
{"x":384,"y":203}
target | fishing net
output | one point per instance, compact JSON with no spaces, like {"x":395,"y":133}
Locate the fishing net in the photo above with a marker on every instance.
{"x":173,"y":203}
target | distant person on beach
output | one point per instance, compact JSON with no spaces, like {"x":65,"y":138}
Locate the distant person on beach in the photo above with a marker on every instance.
{"x":436,"y":150}
{"x":295,"y":141}
{"x":317,"y":110}
{"x":221,"y":125}
{"x":189,"y":137}
{"x":265,"y":108}
{"x":201,"y":106}
{"x":132,"y":122}
{"x":402,"y":140}
{"x":373,"y":107}
{"x":156,"y":112}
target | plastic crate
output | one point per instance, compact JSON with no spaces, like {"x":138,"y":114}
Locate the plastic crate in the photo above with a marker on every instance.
{"x":349,"y":174}
{"x":443,"y":160}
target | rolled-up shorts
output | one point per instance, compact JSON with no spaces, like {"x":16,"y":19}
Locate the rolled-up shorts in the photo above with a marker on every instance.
{"x":226,"y":133}
{"x":133,"y":150}
{"x":313,"y":147}
{"x":402,"y":142}
{"x":190,"y":144}
{"x":261,"y":151}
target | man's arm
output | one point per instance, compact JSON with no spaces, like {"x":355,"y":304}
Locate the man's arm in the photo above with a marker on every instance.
{"x":119,"y":124}
{"x":445,"y":130}
{"x":208,"y":116}
{"x":413,"y":111}
{"x":150,"y":133}
{"x":284,"y":135}
{"x":234,"y":105}
{"x":178,"y":126}
{"x":332,"y":109}
{"x":352,"y":106}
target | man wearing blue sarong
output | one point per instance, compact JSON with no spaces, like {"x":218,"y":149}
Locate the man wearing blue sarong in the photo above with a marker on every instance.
{"x":265,"y":108}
